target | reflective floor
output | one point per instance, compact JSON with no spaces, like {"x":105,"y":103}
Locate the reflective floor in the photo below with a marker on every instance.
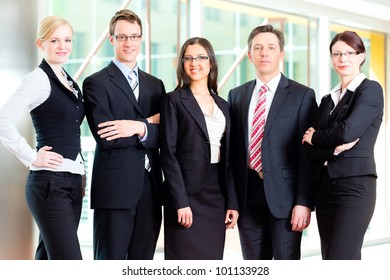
{"x":233,"y":252}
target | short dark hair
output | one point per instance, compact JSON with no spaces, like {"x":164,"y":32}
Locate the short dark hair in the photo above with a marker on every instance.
{"x":352,"y":39}
{"x":182,"y":78}
{"x":268,"y":28}
{"x":125,"y":14}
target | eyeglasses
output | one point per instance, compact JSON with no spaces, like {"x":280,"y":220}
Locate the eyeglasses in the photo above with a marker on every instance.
{"x":189,"y":59}
{"x":123,"y":38}
{"x":347,"y":54}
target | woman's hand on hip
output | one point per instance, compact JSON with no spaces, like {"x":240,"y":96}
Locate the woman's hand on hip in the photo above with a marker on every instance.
{"x":46,"y":158}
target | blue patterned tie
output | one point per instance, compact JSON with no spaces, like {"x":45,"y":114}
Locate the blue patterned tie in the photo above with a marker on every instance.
{"x":134,"y":83}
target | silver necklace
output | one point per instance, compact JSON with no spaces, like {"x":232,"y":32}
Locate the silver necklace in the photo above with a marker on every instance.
{"x":70,"y":83}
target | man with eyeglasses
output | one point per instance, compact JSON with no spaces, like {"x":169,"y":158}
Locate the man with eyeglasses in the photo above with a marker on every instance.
{"x":273,"y":176}
{"x":122,"y":107}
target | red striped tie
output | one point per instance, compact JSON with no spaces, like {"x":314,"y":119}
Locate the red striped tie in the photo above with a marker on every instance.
{"x":257,"y":134}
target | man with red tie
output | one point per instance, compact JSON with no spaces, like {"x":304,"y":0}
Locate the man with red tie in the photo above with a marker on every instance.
{"x":272,"y":174}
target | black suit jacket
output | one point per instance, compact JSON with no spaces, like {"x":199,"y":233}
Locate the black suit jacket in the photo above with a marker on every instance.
{"x":287,"y":171}
{"x":119,"y":165}
{"x":358,"y":115}
{"x":185,"y":148}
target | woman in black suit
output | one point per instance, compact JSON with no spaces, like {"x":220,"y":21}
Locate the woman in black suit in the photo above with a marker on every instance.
{"x":343,"y":140}
{"x":200,"y":200}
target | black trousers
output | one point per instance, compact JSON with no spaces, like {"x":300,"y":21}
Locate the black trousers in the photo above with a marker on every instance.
{"x":262,"y":236}
{"x":120,"y":234}
{"x":55,"y":201}
{"x":344,"y":208}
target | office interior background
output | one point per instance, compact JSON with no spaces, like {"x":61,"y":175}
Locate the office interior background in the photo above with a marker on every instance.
{"x":308,"y":26}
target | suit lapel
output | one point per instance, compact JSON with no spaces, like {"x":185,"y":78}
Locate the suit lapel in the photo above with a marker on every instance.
{"x":279,"y":97}
{"x":194,"y":109}
{"x":341,"y":107}
{"x":120,"y":81}
{"x":146,"y":90}
{"x":246,"y":97}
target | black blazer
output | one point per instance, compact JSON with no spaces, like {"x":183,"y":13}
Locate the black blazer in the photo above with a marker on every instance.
{"x":358,"y":115}
{"x":119,"y":165}
{"x":185,"y":148}
{"x":287,"y":171}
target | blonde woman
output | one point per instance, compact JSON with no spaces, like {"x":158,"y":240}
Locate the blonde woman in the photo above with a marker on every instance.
{"x":54,"y":190}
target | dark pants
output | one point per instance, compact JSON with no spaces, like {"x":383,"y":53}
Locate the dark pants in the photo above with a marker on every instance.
{"x":132,"y":234}
{"x":344,"y":208}
{"x":55,"y":201}
{"x":262,"y":236}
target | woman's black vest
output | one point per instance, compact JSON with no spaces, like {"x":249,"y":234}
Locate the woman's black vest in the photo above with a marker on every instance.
{"x":57,"y":120}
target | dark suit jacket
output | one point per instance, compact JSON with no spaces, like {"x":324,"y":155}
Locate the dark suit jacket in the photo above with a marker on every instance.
{"x":287,"y":171}
{"x":185,"y":148}
{"x":119,"y":165}
{"x":357,"y":115}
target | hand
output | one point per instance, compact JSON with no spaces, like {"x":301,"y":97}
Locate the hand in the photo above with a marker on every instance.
{"x":45,"y":158}
{"x":300,"y":218}
{"x":345,"y":147}
{"x":308,"y":135}
{"x":231,"y":218}
{"x":112,"y":130}
{"x":154,"y":119}
{"x":184,"y":217}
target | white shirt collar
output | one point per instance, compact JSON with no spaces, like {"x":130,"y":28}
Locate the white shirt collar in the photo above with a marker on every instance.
{"x":272,"y":84}
{"x":124,"y":68}
{"x":335,"y":92}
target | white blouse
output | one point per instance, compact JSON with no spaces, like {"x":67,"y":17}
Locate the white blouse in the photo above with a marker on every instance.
{"x":216,"y":125}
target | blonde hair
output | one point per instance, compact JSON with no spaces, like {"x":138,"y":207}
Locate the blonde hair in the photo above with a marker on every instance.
{"x":48,"y":25}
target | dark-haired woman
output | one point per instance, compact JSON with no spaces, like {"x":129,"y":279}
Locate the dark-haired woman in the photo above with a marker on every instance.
{"x":343,"y":140}
{"x":200,"y":202}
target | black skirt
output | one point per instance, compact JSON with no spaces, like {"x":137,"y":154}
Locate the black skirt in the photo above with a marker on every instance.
{"x":205,"y":239}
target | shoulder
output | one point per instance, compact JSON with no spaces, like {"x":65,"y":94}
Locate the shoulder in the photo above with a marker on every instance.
{"x":172,"y":95}
{"x":37,"y":79}
{"x":242,"y":87}
{"x":371,"y":91}
{"x":236,"y":93}
{"x":296,"y":86}
{"x":175,"y":92}
{"x":99,"y":75}
{"x":373,"y":85}
{"x":37,"y":73}
{"x":149,"y":77}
